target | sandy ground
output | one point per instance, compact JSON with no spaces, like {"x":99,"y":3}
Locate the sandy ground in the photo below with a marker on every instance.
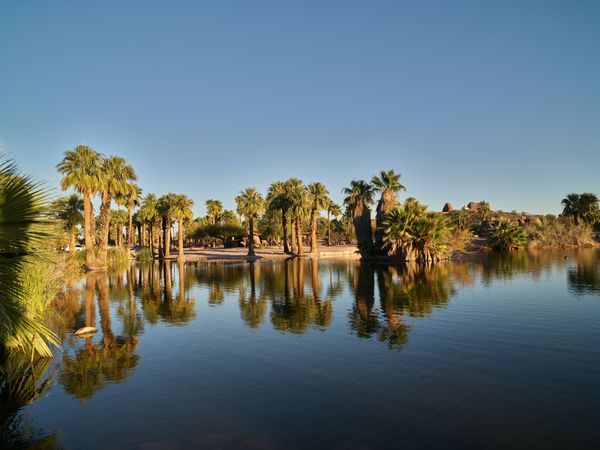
{"x":266,"y":253}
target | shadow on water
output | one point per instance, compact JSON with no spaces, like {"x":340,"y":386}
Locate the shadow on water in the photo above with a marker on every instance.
{"x":293,"y":297}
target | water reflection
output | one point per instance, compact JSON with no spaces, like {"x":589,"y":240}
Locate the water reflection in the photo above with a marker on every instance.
{"x":97,"y":362}
{"x":383,"y":303}
{"x":584,"y":278}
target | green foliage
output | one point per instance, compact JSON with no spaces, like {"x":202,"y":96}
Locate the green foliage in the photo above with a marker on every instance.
{"x":118,"y":258}
{"x":249,"y":203}
{"x":584,"y":207}
{"x":507,"y":235}
{"x":144,"y":255}
{"x":220,"y":231}
{"x":411,"y":232}
{"x":24,"y":225}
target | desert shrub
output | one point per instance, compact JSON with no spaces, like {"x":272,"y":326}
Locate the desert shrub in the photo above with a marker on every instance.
{"x":144,"y":255}
{"x":562,"y":232}
{"x":507,"y":235}
{"x":118,"y":258}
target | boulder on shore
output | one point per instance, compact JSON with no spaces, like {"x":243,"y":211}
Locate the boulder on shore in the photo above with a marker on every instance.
{"x":447,"y":208}
{"x":473,"y":206}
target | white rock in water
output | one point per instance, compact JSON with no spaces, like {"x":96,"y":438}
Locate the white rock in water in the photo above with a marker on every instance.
{"x":85,"y":330}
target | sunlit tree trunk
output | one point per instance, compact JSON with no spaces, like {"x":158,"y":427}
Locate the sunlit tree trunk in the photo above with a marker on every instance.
{"x":300,"y":249}
{"x":313,"y":231}
{"x":286,"y":248}
{"x":180,"y":255}
{"x":328,"y":228}
{"x":251,"y":236}
{"x":292,"y":235}
{"x":104,"y":230}
{"x":88,"y":212}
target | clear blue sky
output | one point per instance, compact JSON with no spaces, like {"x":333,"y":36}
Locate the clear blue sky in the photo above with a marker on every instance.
{"x":480,"y":100}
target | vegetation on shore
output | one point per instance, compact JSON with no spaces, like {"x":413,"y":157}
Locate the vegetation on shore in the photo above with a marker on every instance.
{"x":35,"y":229}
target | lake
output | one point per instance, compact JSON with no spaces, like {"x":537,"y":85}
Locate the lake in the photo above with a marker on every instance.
{"x":499,"y":352}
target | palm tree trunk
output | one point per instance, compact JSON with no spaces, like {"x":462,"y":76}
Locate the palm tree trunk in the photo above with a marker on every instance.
{"x":88,"y":214}
{"x":104,"y":230}
{"x":313,"y":231}
{"x":292,"y":235}
{"x":328,"y":228}
{"x":286,"y":248}
{"x":129,"y":229}
{"x":299,"y":245}
{"x":251,"y":236}
{"x":72,"y":243}
{"x":151,"y":239}
{"x":180,"y":255}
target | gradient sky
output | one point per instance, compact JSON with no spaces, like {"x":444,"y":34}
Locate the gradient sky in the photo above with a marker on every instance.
{"x":481,"y":100}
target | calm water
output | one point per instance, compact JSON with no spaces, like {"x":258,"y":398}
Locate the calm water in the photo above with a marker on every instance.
{"x":498,"y":353}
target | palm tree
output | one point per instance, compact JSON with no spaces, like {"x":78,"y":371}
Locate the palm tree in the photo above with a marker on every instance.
{"x":181,"y":210}
{"x":149,"y":215}
{"x":388,"y":183}
{"x":298,"y":208}
{"x":70,"y":211}
{"x":118,"y":218}
{"x":249,"y":204}
{"x":572,"y":206}
{"x":358,"y":198}
{"x":81,"y":171}
{"x":24,"y":208}
{"x":581,"y":206}
{"x":116,"y":177}
{"x":318,"y":199}
{"x":164,"y":208}
{"x":333,"y":209}
{"x":277,"y":199}
{"x":214,"y":208}
{"x":130,"y":198}
{"x":484,"y":209}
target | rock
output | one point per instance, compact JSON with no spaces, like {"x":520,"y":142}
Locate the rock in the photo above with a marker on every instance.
{"x":447,"y":208}
{"x":472,"y":206}
{"x":85,"y":331}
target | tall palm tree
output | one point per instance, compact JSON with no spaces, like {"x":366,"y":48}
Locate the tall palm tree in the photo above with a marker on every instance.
{"x":130,"y":198}
{"x":298,"y":209}
{"x":117,"y":174}
{"x":118,"y":218}
{"x":318,"y":199}
{"x":70,"y":211}
{"x":181,"y":210}
{"x":249,"y":204}
{"x":214,"y":208}
{"x":80,"y":168}
{"x":164,"y":208}
{"x":484,"y":209}
{"x":571,"y":206}
{"x":149,"y":215}
{"x":333,"y":209}
{"x":388,"y":184}
{"x":359,"y":196}
{"x":278,"y":199}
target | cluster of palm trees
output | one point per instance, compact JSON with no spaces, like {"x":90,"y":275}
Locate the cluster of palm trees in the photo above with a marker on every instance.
{"x":296,"y":204}
{"x":155,"y":218}
{"x":91,"y":173}
{"x":582,"y":207}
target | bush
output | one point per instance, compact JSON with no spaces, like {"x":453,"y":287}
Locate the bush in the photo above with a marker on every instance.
{"x":118,"y":258}
{"x":144,"y":255}
{"x":562,"y":232}
{"x":507,"y":235}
